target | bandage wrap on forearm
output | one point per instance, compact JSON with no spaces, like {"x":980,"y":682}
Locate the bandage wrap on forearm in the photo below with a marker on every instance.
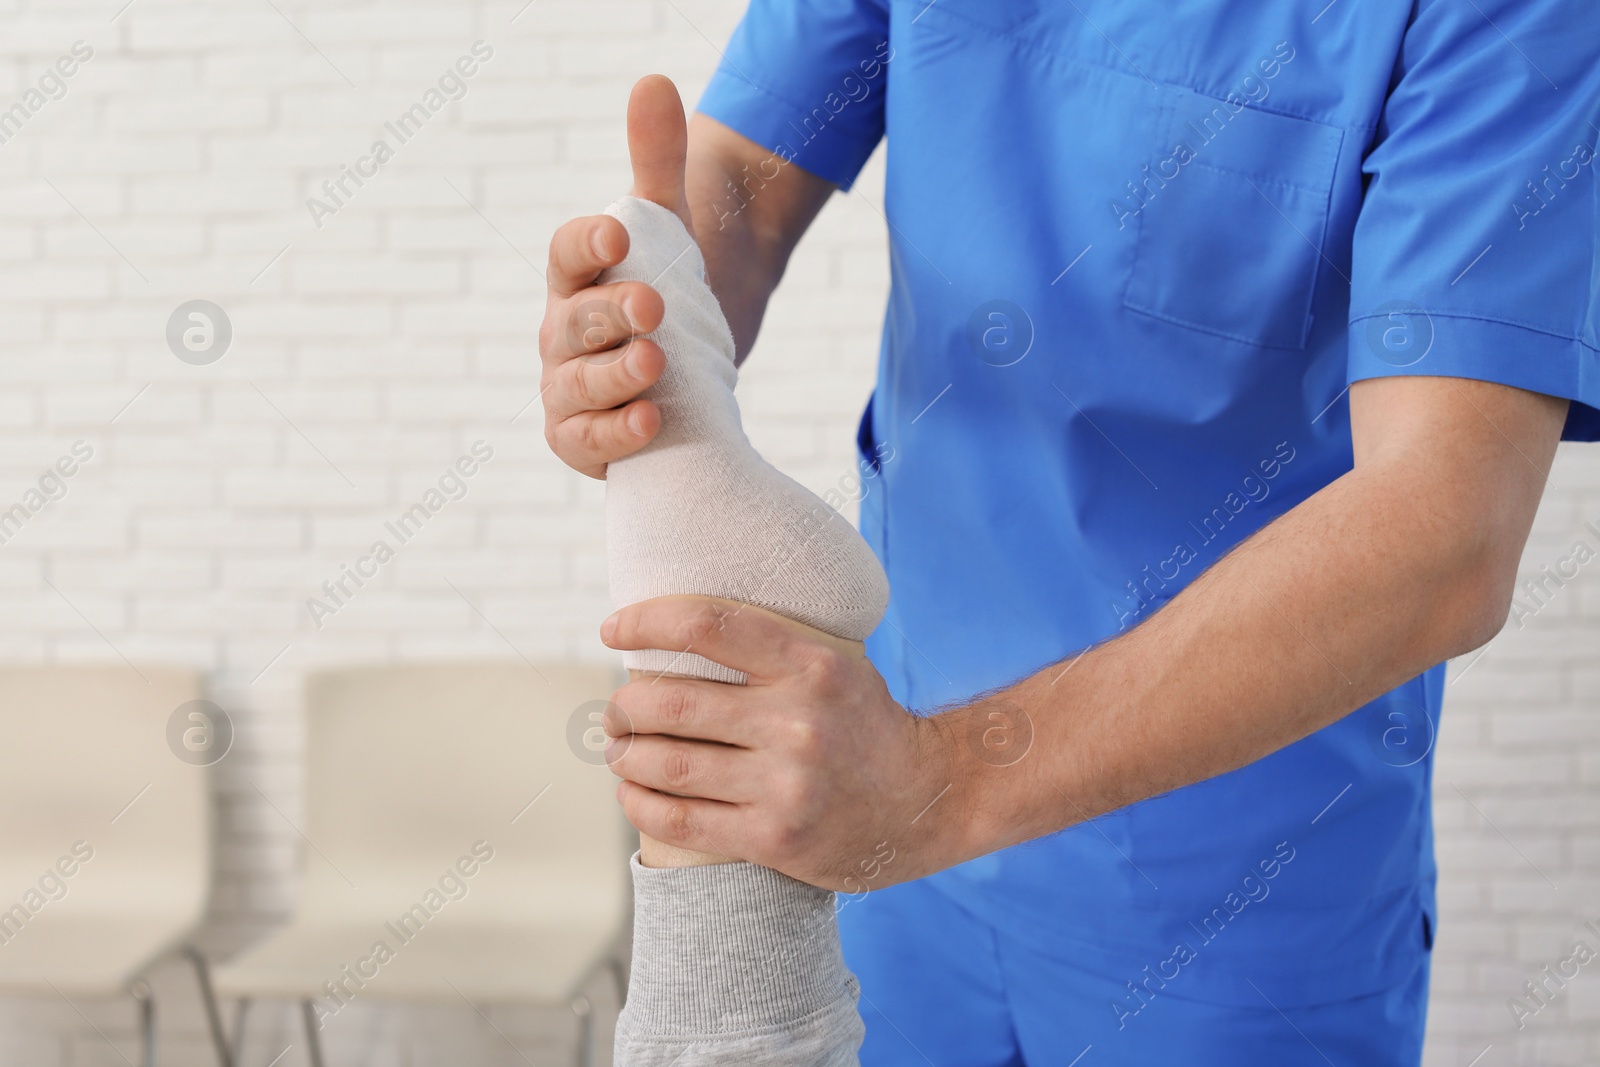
{"x":735,"y":964}
{"x":698,"y":510}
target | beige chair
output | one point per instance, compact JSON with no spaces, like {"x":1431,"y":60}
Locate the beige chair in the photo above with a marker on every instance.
{"x":105,"y":833}
{"x":413,"y":776}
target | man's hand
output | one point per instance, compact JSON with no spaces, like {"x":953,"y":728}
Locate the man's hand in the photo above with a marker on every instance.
{"x":1400,"y":564}
{"x":811,"y":769}
{"x":595,"y":362}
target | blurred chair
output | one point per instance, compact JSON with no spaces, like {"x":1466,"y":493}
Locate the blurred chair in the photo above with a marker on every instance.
{"x":105,"y":833}
{"x":462,"y":847}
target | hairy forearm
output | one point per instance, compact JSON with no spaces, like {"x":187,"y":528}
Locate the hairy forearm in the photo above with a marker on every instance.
{"x":750,"y":210}
{"x":1320,"y":613}
{"x":1378,"y":577}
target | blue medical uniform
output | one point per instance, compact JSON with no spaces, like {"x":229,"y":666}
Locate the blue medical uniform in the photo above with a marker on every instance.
{"x":1139,"y":252}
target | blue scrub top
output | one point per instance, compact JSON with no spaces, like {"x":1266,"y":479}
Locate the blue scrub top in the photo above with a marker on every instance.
{"x":1139,"y":251}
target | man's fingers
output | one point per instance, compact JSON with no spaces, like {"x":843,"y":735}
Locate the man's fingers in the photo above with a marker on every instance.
{"x":682,"y":707}
{"x":766,"y":646}
{"x":581,"y":249}
{"x":658,"y":144}
{"x":683,"y":768}
{"x":591,"y":382}
{"x":708,"y":826}
{"x":591,"y":439}
{"x":602,"y":316}
{"x":603,"y":380}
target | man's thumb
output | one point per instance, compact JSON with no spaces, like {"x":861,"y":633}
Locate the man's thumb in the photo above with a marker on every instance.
{"x":658,"y":144}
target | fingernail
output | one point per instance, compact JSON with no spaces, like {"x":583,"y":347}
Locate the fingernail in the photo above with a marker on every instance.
{"x":630,"y":365}
{"x":635,"y":422}
{"x":598,"y":243}
{"x":609,"y":627}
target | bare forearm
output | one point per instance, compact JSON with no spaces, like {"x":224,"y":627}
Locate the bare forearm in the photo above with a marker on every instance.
{"x":1378,"y":577}
{"x":750,"y":210}
{"x":1314,"y":617}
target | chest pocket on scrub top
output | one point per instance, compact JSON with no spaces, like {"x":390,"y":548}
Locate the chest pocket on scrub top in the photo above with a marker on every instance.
{"x":1228,"y":245}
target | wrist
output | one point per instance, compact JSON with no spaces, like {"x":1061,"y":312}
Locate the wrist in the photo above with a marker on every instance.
{"x":1002,"y":792}
{"x":956,"y":825}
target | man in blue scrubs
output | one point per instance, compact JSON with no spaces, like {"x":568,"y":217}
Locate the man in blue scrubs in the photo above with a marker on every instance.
{"x":1228,"y":342}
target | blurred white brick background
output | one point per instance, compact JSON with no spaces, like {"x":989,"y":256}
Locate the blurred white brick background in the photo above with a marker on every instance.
{"x":370,"y":352}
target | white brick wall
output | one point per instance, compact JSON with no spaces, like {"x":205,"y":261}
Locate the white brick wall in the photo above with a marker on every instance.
{"x":1517,"y":807}
{"x":374,"y":350}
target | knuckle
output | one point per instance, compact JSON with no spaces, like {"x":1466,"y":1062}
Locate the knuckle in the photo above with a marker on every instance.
{"x":677,"y":707}
{"x":582,"y":385}
{"x":677,"y":821}
{"x":555,"y":332}
{"x":702,"y":621}
{"x":677,"y":768}
{"x":804,"y":738}
{"x":781,"y":841}
{"x":823,"y":665}
{"x":588,"y":441}
{"x":558,"y":436}
{"x":569,"y":441}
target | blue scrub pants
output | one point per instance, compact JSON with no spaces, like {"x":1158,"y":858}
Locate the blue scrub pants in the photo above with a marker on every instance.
{"x":940,"y":987}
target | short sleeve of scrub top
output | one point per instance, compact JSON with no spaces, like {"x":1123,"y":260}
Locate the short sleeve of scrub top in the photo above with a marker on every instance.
{"x":1468,"y":270}
{"x":806,"y":79}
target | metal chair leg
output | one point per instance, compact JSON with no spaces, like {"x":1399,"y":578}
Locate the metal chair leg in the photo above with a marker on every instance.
{"x":308,"y":1014}
{"x":239,"y":1012}
{"x":147,"y":1021}
{"x":219,"y":1039}
{"x":583,"y":1011}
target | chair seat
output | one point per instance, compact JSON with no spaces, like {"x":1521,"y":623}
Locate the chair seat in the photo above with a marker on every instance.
{"x":441,"y":962}
{"x":105,"y":836}
{"x":89,"y":955}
